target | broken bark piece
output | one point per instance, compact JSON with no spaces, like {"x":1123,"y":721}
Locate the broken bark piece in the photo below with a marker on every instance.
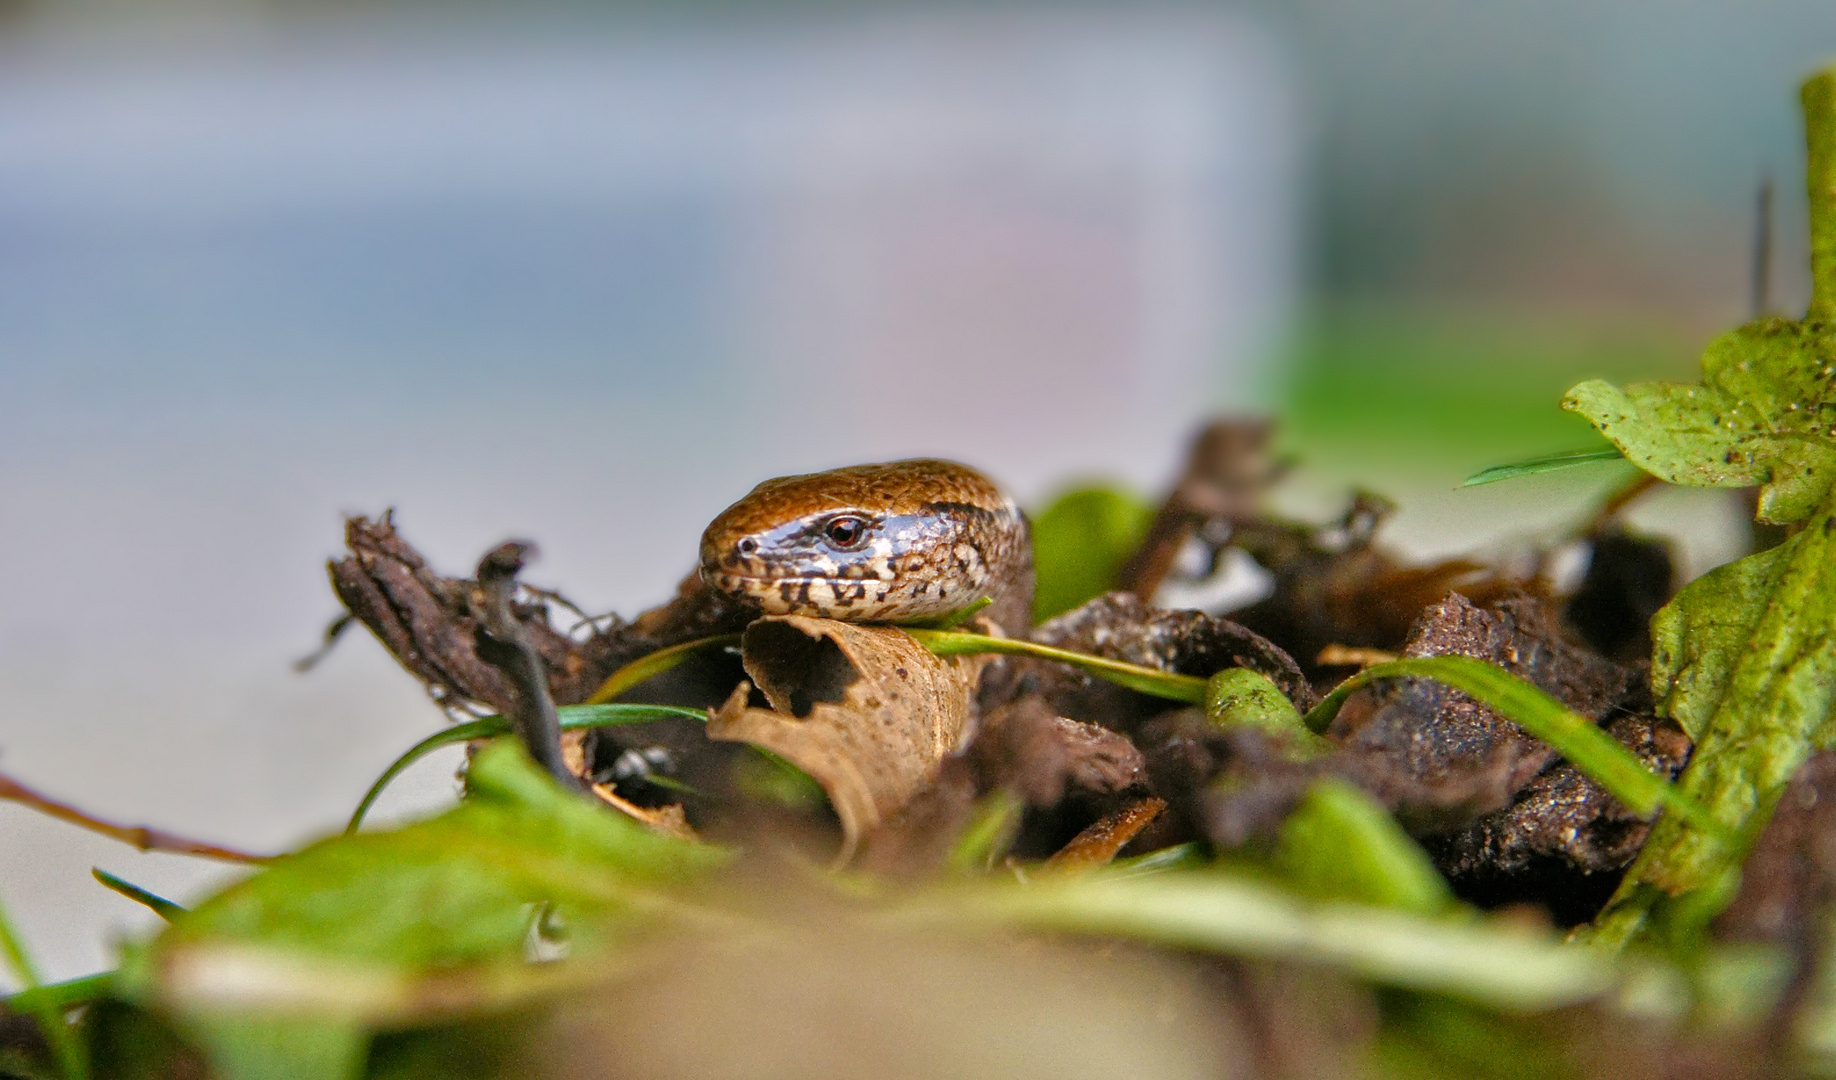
{"x":866,"y":711}
{"x":1232,"y":785}
{"x":1789,"y":880}
{"x":430,"y":623}
{"x":1025,"y":748}
{"x":423,"y":619}
{"x":1120,"y":626}
{"x":1334,"y":585}
{"x":1563,"y":839}
{"x":1438,"y":756}
{"x":1098,"y":844}
{"x":1439,"y":759}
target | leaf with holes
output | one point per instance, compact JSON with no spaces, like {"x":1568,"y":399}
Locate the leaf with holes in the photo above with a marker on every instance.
{"x":868,"y":711}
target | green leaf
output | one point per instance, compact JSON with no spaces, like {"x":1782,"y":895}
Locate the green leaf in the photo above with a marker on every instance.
{"x":650,"y":665}
{"x":1079,"y":542}
{"x":1216,"y":911}
{"x":1553,"y":463}
{"x":957,"y":618}
{"x":1339,"y":844}
{"x":1764,"y":414}
{"x":354,"y":924}
{"x":768,"y":778}
{"x":1242,"y":696}
{"x":1166,"y":684}
{"x":1765,"y":410}
{"x":284,"y":975}
{"x":276,"y":1048}
{"x":61,"y":995}
{"x":161,"y":906}
{"x":1583,"y":743}
{"x":1425,"y":1037}
{"x":1818,"y":97}
{"x":1699,"y":636}
{"x":1747,"y":657}
{"x":72,"y":1061}
{"x":1744,"y":658}
{"x":989,"y":833}
{"x":491,"y":727}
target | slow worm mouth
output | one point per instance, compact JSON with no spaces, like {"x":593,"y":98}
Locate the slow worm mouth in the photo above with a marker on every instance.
{"x":765,"y":579}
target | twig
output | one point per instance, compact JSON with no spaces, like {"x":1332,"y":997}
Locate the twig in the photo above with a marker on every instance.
{"x":1227,"y":469}
{"x":333,"y":631}
{"x":1335,"y":655}
{"x":504,"y":643}
{"x":142,"y":837}
{"x":1097,"y":845}
{"x":1616,"y":502}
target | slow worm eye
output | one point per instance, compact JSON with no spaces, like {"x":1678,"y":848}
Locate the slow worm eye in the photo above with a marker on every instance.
{"x":845,"y":532}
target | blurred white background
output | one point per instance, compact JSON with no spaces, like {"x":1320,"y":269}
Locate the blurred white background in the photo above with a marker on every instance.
{"x":569,"y":279}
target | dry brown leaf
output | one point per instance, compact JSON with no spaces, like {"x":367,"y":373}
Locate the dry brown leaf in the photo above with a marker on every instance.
{"x":669,"y":820}
{"x":865,"y":710}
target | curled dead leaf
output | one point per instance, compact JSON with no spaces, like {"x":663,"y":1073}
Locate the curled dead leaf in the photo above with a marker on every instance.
{"x":865,"y":710}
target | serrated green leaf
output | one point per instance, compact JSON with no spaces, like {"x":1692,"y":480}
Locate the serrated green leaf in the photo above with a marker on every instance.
{"x":1765,"y":410}
{"x":1771,"y":689}
{"x":1764,"y":414}
{"x":1699,"y":636}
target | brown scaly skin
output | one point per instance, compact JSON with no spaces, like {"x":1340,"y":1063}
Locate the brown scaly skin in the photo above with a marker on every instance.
{"x":900,"y":542}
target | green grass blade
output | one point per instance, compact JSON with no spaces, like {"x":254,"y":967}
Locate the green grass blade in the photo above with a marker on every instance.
{"x":989,"y":834}
{"x":1216,"y":911}
{"x":490,"y":727}
{"x":1580,"y":740}
{"x":1165,"y":684}
{"x":72,"y":1061}
{"x":56,"y":997}
{"x":653,"y":664}
{"x":957,"y":618}
{"x":1553,"y":463}
{"x":161,"y":906}
{"x":1187,"y":856}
